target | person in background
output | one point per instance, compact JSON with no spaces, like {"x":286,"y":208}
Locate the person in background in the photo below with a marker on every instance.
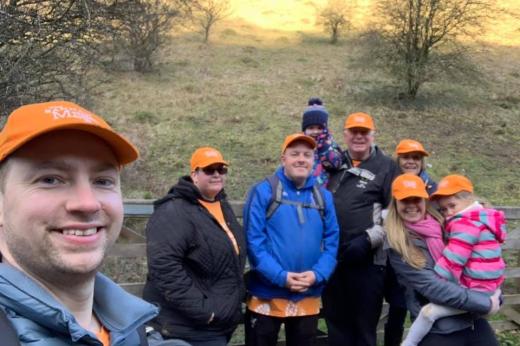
{"x":292,"y":236}
{"x":414,"y":240}
{"x":196,"y":257}
{"x":61,"y":209}
{"x":472,"y":256}
{"x":411,"y":156}
{"x":353,"y":298}
{"x":327,"y":156}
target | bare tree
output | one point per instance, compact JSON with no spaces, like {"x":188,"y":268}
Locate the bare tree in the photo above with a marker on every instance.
{"x":335,"y":17}
{"x":208,"y":13}
{"x":419,"y":39}
{"x":47,"y":48}
{"x":141,"y":27}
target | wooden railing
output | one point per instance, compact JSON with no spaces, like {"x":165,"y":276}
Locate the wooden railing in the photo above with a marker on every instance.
{"x":132,"y":244}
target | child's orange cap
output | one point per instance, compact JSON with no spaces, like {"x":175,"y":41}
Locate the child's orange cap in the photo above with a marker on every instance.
{"x":408,"y":185}
{"x":33,"y":120}
{"x":452,"y":184}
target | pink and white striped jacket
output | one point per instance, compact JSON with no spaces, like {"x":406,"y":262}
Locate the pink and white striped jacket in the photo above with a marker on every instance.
{"x":473,"y":255}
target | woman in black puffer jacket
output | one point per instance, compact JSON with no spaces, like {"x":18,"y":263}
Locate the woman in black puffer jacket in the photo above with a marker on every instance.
{"x":196,"y":256}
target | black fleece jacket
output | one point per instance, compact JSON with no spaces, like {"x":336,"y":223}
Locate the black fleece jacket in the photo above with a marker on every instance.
{"x":193,"y":269}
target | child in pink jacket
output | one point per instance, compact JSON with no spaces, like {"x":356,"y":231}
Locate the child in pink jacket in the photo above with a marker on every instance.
{"x":473,"y":255}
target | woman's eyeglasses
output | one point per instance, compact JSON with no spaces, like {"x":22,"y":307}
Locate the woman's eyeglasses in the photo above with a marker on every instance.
{"x":210,"y":170}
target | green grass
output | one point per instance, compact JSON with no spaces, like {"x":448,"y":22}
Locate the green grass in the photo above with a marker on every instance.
{"x":247,"y":90}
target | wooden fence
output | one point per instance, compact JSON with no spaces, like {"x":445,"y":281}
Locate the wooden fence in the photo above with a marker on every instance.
{"x":132,"y":245}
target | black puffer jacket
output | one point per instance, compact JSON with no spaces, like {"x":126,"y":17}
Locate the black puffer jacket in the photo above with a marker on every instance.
{"x":193,"y":269}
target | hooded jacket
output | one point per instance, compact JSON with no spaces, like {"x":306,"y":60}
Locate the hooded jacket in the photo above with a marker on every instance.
{"x":193,"y":269}
{"x":473,"y":255}
{"x":284,"y":244}
{"x":40,"y":320}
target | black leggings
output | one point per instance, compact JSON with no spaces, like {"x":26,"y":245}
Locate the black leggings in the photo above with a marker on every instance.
{"x":263,"y":330}
{"x":352,"y":303}
{"x":480,"y":335}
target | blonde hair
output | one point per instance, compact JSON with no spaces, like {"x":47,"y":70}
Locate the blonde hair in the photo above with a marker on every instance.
{"x":399,"y":237}
{"x":465,"y":195}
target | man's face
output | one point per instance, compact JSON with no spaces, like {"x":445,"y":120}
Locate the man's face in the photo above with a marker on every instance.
{"x":358,"y":140}
{"x":411,"y":162}
{"x":297,"y":161}
{"x":61,"y":206}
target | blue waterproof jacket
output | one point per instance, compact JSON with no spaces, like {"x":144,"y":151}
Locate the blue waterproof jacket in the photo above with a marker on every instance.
{"x":40,"y":320}
{"x":283,"y":244}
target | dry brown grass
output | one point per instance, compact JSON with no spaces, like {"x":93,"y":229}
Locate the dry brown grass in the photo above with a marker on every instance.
{"x":246,"y":91}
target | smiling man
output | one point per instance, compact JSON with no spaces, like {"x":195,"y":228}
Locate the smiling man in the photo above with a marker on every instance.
{"x":353,"y":298}
{"x":292,"y":237}
{"x":60,"y":210}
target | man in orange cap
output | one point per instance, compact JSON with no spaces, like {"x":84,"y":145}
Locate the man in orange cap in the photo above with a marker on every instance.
{"x":60,"y":210}
{"x":353,"y":297}
{"x":292,"y":238}
{"x":196,"y":257}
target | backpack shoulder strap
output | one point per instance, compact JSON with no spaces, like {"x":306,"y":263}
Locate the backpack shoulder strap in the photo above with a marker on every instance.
{"x":276,"y":197}
{"x":7,"y":331}
{"x":318,"y":198}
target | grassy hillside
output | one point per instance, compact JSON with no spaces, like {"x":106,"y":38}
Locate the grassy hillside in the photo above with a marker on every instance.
{"x":247,"y":90}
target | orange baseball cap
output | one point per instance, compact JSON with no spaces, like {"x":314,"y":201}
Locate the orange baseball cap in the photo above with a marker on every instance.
{"x":298,"y":137}
{"x":452,"y":184}
{"x":206,"y":156}
{"x":359,"y":119}
{"x":33,"y":120}
{"x":408,"y":185}
{"x":410,"y":146}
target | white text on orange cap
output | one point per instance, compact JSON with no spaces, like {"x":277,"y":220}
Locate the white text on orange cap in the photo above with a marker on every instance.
{"x":60,"y":112}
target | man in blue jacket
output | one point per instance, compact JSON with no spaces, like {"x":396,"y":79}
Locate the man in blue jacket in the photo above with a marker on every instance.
{"x":60,"y":209}
{"x":292,"y":238}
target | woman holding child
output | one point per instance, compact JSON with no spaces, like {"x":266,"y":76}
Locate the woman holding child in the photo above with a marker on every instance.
{"x":414,"y":234}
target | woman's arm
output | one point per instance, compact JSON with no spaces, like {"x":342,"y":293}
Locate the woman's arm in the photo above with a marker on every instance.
{"x":438,"y":290}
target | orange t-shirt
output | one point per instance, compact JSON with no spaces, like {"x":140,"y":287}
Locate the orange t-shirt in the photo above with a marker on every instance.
{"x":216,"y":210}
{"x":356,"y":163}
{"x":278,"y":307}
{"x":104,"y":336}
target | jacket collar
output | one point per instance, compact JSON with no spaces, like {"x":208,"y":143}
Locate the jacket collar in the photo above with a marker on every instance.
{"x":186,"y":190}
{"x":120,"y":312}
